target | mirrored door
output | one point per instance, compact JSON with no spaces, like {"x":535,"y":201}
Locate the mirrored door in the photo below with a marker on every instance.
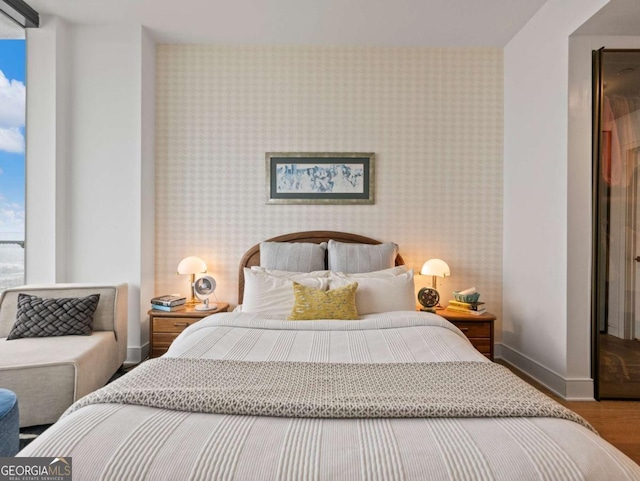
{"x":616,"y":208}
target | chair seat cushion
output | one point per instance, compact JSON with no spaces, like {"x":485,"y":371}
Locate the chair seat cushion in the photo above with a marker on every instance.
{"x":49,"y":350}
{"x":55,"y":371}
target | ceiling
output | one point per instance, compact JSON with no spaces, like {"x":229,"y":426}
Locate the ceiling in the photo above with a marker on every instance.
{"x":621,"y":70}
{"x":433,"y":23}
{"x":618,"y":17}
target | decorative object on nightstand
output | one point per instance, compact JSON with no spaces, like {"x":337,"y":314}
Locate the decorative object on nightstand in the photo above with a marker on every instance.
{"x":204,"y":287}
{"x":468,"y":295}
{"x":165,"y":326}
{"x":475,"y":308}
{"x":192,"y":265}
{"x":429,"y":296}
{"x":169,"y":302}
{"x":467,"y":301}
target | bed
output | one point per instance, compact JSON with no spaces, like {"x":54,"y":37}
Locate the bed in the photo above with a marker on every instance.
{"x":394,"y":395}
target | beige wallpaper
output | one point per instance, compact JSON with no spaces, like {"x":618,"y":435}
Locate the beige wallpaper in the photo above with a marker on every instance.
{"x":434,"y":118}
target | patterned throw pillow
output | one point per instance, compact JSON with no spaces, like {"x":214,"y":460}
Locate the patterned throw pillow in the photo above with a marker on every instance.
{"x":43,"y":317}
{"x":314,"y":304}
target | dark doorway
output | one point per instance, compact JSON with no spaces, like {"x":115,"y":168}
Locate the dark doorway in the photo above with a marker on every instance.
{"x":616,"y":206}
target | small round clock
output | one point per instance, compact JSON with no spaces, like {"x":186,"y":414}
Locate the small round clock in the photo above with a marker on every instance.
{"x":428,"y":298}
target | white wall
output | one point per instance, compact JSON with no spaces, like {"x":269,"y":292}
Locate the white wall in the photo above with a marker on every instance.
{"x":543,"y":275}
{"x":48,"y":70}
{"x":147,"y":183}
{"x":103,"y":129}
{"x":93,"y":111}
{"x":432,"y":116}
{"x":417,"y":108}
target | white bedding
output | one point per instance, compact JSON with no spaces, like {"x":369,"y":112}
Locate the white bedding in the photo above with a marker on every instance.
{"x":125,"y":442}
{"x":390,"y":337}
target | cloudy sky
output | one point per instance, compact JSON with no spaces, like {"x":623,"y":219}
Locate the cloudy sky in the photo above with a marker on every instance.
{"x":12,"y":160}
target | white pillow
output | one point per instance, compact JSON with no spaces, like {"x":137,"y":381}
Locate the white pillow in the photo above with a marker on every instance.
{"x":393,"y":271}
{"x":380,"y":294}
{"x":352,"y":258}
{"x":293,"y":256}
{"x":269,"y":294}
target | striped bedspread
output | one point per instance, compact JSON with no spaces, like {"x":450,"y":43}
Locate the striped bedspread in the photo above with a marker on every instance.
{"x":131,"y":442}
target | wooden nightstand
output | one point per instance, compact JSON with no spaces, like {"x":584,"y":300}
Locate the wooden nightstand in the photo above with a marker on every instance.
{"x":165,"y":326}
{"x":479,"y":329}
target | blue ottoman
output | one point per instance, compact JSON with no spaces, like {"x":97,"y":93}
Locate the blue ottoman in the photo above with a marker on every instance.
{"x":9,"y":424}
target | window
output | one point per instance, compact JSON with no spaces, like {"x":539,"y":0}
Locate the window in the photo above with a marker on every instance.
{"x":12,"y":161}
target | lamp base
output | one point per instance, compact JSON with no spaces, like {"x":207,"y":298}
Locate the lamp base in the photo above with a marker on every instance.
{"x":206,"y":307}
{"x":191,"y":302}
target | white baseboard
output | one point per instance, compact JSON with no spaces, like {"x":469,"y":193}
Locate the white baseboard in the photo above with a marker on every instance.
{"x":136,"y":354}
{"x":572,"y":389}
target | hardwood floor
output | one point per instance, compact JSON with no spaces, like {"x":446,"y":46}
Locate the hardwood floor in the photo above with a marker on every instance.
{"x":617,"y":421}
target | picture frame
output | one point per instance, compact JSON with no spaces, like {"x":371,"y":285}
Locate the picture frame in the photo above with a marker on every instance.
{"x":320,"y":177}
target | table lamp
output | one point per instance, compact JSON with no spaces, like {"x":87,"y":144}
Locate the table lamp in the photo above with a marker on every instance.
{"x":435,"y":268}
{"x":192,"y":265}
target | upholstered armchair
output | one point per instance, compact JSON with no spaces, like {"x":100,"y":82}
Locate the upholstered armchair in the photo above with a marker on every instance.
{"x":49,"y":373}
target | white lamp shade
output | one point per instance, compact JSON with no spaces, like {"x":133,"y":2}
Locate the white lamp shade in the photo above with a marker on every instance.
{"x":435,"y":267}
{"x":192,"y":265}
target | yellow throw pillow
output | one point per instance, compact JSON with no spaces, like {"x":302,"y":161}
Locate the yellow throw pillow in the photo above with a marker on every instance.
{"x":313,"y":304}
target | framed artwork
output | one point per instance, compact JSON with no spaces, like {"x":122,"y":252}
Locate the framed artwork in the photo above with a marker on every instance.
{"x":320,"y":178}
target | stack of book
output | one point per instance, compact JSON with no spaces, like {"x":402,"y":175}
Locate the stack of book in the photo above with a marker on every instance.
{"x":475,"y":308}
{"x":168,"y":303}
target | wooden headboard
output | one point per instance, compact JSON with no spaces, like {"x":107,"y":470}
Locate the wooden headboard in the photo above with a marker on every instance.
{"x":252,"y":256}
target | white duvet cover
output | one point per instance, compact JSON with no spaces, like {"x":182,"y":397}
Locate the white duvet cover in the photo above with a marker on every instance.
{"x":126,"y":442}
